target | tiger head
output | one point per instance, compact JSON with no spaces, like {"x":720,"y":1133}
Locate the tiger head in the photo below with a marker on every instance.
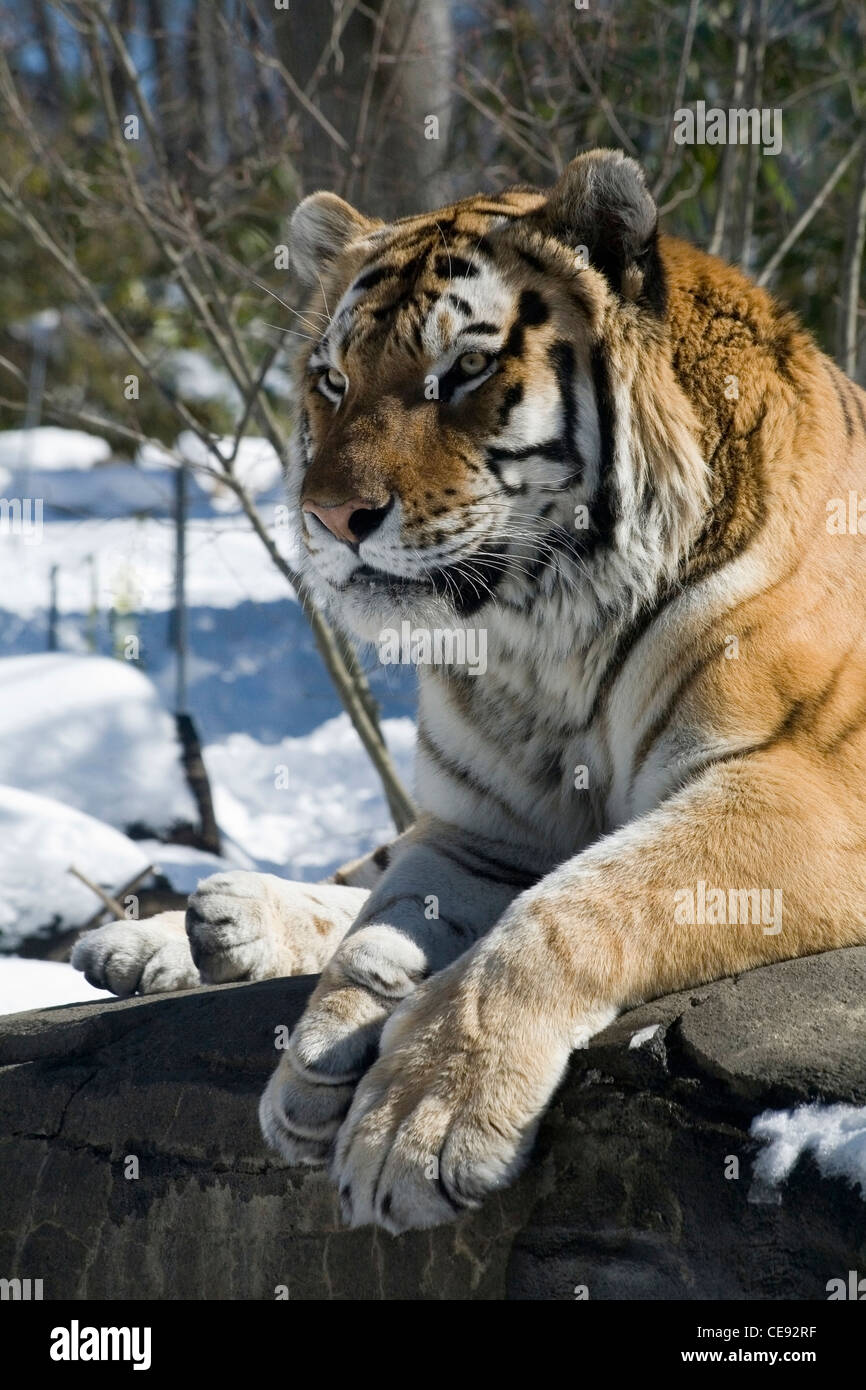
{"x":487,"y":412}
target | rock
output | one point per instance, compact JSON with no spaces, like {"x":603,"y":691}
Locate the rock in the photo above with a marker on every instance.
{"x":626,"y":1196}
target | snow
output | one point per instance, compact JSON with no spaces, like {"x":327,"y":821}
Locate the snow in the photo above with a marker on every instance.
{"x":39,"y":839}
{"x":154,"y":456}
{"x":49,"y":447}
{"x":184,"y":867}
{"x":834,"y":1135}
{"x":40,"y":984}
{"x":302,"y":806}
{"x":196,"y":378}
{"x":91,"y":730}
{"x":85,"y":733}
{"x":256,"y":465}
{"x":108,"y":489}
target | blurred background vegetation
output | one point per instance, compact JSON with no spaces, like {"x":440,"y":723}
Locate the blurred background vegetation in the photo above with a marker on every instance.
{"x":251,"y":104}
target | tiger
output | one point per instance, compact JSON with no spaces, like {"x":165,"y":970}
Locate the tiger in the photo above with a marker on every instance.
{"x":534,"y":415}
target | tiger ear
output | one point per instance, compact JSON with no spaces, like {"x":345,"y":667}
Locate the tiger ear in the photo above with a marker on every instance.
{"x":602,"y":203}
{"x":321,"y":228}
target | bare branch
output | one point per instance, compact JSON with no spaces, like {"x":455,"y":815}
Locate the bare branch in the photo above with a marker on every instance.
{"x":815,"y":206}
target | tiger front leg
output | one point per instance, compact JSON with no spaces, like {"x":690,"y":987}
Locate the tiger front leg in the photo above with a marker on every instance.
{"x":438,"y":896}
{"x":470,"y":1061}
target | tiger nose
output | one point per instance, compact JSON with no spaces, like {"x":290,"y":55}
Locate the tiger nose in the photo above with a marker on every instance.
{"x":351,"y":521}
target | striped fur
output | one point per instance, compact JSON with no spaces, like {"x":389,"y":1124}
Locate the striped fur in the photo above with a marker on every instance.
{"x":697,"y":647}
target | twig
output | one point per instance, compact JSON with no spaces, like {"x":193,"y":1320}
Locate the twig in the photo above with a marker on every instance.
{"x":854,"y":245}
{"x":111,"y":903}
{"x":718,"y":240}
{"x":815,"y":206}
{"x":666,"y":172}
{"x":121,"y":893}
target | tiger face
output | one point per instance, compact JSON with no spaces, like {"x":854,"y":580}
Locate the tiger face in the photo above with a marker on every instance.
{"x":456,"y":447}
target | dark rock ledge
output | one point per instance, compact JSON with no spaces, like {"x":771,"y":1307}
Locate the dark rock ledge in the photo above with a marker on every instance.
{"x":626,"y":1195}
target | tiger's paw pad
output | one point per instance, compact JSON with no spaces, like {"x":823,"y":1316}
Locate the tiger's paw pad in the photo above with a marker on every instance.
{"x":250,"y":926}
{"x":150,"y":957}
{"x":300,"y":1118}
{"x":231,"y":925}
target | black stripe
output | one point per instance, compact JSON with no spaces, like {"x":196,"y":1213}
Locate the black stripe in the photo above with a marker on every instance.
{"x":553,"y":449}
{"x":603,"y":507}
{"x":664,"y":717}
{"x":843,"y":404}
{"x":531,"y":313}
{"x":531,"y":260}
{"x":861,"y":414}
{"x":463,"y":305}
{"x":373,"y":277}
{"x":562,"y":359}
{"x":487,"y":866}
{"x":510,"y":489}
{"x":386,"y":310}
{"x":714,"y":560}
{"x":461,"y":774}
{"x":512,"y":398}
{"x":851,"y":726}
{"x":490,"y":329}
{"x":531,"y":309}
{"x":447,"y":266}
{"x":485,"y":246}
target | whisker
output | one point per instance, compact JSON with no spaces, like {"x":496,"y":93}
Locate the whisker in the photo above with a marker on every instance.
{"x":324,"y":297}
{"x":281,"y":328}
{"x":447,"y":252}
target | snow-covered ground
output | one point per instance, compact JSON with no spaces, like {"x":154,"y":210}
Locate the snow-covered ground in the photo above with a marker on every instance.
{"x":40,"y":984}
{"x":92,"y":731}
{"x":91,"y":734}
{"x":49,"y":447}
{"x":39,"y":839}
{"x":834,"y":1135}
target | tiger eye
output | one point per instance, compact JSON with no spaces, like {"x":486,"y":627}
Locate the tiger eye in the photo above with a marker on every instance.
{"x":471,"y":363}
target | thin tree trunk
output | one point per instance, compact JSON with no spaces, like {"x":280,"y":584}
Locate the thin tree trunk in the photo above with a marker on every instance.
{"x":753,"y":164}
{"x":192,"y":134}
{"x":208,"y":835}
{"x":211,"y":84}
{"x":667,"y":169}
{"x":377,"y":73}
{"x":806,"y":216}
{"x":116,"y":74}
{"x":719,"y":239}
{"x":165,"y":80}
{"x":855,"y":241}
{"x":47,"y":33}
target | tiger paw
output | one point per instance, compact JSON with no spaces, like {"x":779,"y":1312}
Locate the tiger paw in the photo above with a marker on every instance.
{"x":149,"y":957}
{"x":335,"y":1041}
{"x":449,"y":1112}
{"x":251,"y":926}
